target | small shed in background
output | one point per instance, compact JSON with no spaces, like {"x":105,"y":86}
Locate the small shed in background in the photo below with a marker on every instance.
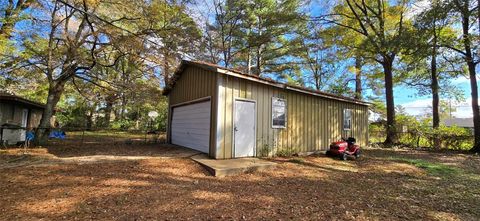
{"x":16,"y":115}
{"x":229,"y":114}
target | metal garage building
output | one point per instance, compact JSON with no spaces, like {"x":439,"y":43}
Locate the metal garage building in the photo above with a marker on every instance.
{"x":228,"y":114}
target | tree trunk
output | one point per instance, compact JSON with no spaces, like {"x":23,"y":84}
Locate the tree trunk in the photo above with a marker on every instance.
{"x":166,"y":66}
{"x":435,"y":88}
{"x":259,"y":61}
{"x":475,"y":108}
{"x":318,"y":80}
{"x":55,"y":91}
{"x":249,"y":62}
{"x":90,"y":118}
{"x":473,"y":80}
{"x":391,"y":131}
{"x":108,"y":113}
{"x":123,"y":107}
{"x":358,"y":77}
{"x":259,"y":47}
{"x":249,"y":52}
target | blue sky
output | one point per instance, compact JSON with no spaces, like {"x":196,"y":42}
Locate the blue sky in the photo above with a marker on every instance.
{"x":414,"y":105}
{"x":405,"y":96}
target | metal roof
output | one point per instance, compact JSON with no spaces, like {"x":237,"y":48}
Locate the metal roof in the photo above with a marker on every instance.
{"x":235,"y":73}
{"x":10,"y":97}
{"x":460,"y":122}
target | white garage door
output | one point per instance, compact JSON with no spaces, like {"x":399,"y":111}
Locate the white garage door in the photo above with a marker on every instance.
{"x":191,"y":126}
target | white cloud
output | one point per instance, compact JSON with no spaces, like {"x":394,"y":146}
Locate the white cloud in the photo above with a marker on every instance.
{"x":417,"y":8}
{"x":422,"y":106}
{"x":417,"y":107}
{"x":372,"y":116}
{"x":418,"y":103}
{"x":463,"y":79}
{"x":464,"y":109}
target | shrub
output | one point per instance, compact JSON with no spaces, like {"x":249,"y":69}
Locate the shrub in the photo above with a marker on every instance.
{"x":265,"y":150}
{"x":122,"y":124}
{"x":285,"y":152}
{"x":453,"y":137}
{"x":421,"y":134}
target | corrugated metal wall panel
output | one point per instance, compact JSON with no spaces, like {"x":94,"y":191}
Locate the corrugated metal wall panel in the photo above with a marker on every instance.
{"x":312,"y":122}
{"x":194,"y":83}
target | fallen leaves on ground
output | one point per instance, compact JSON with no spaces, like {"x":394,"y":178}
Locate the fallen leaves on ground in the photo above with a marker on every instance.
{"x":379,"y":186}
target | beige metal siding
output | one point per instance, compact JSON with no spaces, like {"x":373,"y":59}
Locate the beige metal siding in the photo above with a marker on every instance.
{"x":195,"y":83}
{"x":312,"y":121}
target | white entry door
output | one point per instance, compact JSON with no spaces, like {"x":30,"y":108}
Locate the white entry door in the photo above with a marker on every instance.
{"x":191,"y":126}
{"x":244,"y":128}
{"x":23,"y":132}
{"x":24,"y":117}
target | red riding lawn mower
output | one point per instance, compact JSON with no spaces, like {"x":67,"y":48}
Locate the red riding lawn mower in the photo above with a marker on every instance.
{"x":344,"y":148}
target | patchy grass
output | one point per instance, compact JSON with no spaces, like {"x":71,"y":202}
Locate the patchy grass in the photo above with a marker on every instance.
{"x":106,"y":138}
{"x":433,"y":168}
{"x":296,"y":160}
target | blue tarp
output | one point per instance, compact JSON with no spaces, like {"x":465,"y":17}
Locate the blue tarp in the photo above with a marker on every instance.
{"x":57,"y":134}
{"x":30,"y":135}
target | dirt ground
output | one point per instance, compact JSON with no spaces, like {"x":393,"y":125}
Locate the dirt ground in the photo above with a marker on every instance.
{"x":159,"y":182}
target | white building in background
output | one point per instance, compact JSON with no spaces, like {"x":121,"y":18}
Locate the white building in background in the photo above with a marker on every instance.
{"x":459,"y":122}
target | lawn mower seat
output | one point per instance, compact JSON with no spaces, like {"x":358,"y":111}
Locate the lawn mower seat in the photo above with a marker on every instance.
{"x":351,"y":140}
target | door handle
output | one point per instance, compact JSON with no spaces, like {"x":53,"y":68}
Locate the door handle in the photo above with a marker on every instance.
{"x":235,"y":129}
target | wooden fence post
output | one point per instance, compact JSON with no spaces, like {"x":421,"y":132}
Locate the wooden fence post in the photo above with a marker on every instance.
{"x":83,"y":135}
{"x":145,"y":137}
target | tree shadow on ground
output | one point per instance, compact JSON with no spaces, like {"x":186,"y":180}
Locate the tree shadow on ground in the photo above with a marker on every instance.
{"x":467,"y":162}
{"x":148,"y":150}
{"x":180,"y":189}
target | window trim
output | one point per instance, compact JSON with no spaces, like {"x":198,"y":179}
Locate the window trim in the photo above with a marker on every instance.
{"x":345,"y":110}
{"x":271,"y":106}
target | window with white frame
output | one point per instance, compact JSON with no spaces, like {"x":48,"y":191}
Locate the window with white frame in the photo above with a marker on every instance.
{"x":279,"y":112}
{"x":347,"y":119}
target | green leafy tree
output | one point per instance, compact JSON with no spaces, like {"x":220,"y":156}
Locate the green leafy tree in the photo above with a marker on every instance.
{"x":271,"y":31}
{"x":349,"y":47}
{"x":222,"y":33}
{"x":432,"y":26}
{"x":177,"y":34}
{"x":320,"y":59}
{"x":12,"y":12}
{"x":260,"y":37}
{"x":433,"y":67}
{"x":466,"y":12}
{"x":74,"y":40}
{"x":386,"y":31}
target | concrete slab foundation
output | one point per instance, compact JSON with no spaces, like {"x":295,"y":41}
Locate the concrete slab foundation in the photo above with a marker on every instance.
{"x":228,"y":167}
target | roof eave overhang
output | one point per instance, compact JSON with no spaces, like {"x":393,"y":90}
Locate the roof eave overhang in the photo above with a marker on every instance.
{"x":22,"y":101}
{"x":283,"y":86}
{"x":185,"y":63}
